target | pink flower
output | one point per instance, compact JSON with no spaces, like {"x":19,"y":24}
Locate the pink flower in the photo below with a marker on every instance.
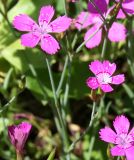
{"x":40,"y":33}
{"x":93,"y":22}
{"x":19,"y":134}
{"x":121,"y":137}
{"x":127,"y":7}
{"x":103,"y":76}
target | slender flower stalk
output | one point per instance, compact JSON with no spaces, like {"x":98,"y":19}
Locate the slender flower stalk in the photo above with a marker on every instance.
{"x":65,"y":8}
{"x":63,"y":127}
{"x":106,"y":36}
{"x":85,"y":19}
{"x":19,"y":155}
{"x":130,"y":46}
{"x":62,"y":76}
{"x":5,"y":16}
{"x":118,"y":158}
{"x":104,"y":47}
{"x":87,"y":129}
{"x":88,"y":39}
{"x":67,"y":84}
{"x":35,"y":75}
{"x":92,"y":141}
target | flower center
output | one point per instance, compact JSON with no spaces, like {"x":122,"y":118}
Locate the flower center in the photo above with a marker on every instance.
{"x":104,"y":78}
{"x":42,"y":29}
{"x":124,"y":140}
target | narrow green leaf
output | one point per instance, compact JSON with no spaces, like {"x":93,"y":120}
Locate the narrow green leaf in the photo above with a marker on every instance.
{"x":7,"y":79}
{"x":51,"y":156}
{"x":128,"y":91}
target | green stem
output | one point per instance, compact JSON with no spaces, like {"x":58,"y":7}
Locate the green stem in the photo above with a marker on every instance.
{"x":64,"y":5}
{"x":76,"y":35}
{"x":5,"y":107}
{"x":52,"y":84}
{"x":66,"y":94}
{"x":7,"y":104}
{"x":67,"y":85}
{"x":19,"y":156}
{"x":106,"y":37}
{"x":35,"y":75}
{"x":62,"y":76}
{"x":82,"y":44}
{"x":130,"y":46}
{"x":65,"y":136}
{"x":87,"y":129}
{"x":64,"y":132}
{"x":118,"y":158}
{"x":80,"y":5}
{"x":4,"y":2}
{"x":131,"y":65}
{"x":92,"y":141}
{"x":104,"y":47}
{"x":8,"y":22}
{"x":57,"y":115}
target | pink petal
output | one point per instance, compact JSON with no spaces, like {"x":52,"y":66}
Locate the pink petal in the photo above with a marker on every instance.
{"x":127,"y":1}
{"x":117,"y":32}
{"x":23,"y":22}
{"x":118,"y":79}
{"x":11,"y":134}
{"x":19,"y":134}
{"x":46,"y":14}
{"x":106,"y":88}
{"x":130,"y":153}
{"x":96,"y":67}
{"x":29,"y":40}
{"x":124,"y":1}
{"x":109,"y":67}
{"x":102,"y":5}
{"x":117,"y":151}
{"x":83,"y":20}
{"x":121,"y":124}
{"x":74,"y":1}
{"x":129,"y":7}
{"x":121,"y":15}
{"x":25,"y":127}
{"x":49,"y":44}
{"x":96,"y":38}
{"x":129,"y":11}
{"x":60,"y":24}
{"x":92,"y":82}
{"x":107,"y":135}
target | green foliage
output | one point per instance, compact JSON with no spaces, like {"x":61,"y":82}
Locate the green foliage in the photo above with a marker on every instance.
{"x":25,"y":87}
